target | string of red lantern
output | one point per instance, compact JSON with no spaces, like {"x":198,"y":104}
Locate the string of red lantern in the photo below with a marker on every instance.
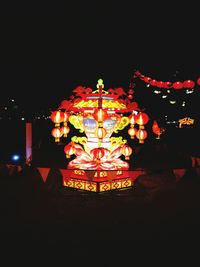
{"x":187,"y":84}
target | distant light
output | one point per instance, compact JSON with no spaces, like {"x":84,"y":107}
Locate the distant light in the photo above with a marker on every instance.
{"x":22,"y":119}
{"x":172,"y":102}
{"x":183,"y":104}
{"x":168,"y":91}
{"x":15,"y":157}
{"x":189,"y":91}
{"x":157,"y":92}
{"x":148,"y":85}
{"x":12,"y":100}
{"x":164,"y":96}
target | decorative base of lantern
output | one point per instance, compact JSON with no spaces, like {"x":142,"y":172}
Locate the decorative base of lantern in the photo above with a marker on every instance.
{"x":100,"y":181}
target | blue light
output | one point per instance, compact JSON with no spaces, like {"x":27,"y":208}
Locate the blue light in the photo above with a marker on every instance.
{"x":15,"y":157}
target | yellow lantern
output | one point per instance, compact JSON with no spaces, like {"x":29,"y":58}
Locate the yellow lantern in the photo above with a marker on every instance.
{"x":101,"y":133}
{"x":132,"y":132}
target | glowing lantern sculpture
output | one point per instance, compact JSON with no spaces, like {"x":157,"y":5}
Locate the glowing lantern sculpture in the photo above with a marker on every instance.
{"x":98,"y":114}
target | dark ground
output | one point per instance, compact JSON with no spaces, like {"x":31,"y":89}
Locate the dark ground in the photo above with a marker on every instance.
{"x":158,"y":215}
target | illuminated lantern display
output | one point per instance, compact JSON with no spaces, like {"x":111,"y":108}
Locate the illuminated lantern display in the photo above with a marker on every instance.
{"x":56,"y":133}
{"x":141,"y":135}
{"x":97,"y":114}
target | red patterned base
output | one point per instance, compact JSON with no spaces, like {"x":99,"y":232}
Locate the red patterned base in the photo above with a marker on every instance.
{"x":99,"y":181}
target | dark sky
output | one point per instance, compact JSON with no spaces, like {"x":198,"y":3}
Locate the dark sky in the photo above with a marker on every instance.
{"x":46,"y":51}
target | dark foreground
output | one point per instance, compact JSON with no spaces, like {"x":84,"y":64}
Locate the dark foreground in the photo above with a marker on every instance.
{"x":157,"y":213}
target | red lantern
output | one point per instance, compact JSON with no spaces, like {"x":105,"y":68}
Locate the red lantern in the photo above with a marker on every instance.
{"x":160,"y":84}
{"x":65,"y":130}
{"x":100,"y":115}
{"x":141,"y":135}
{"x":57,"y":117}
{"x":132,"y":132}
{"x":198,"y":81}
{"x":130,"y":97}
{"x":188,"y":84}
{"x":147,"y":79}
{"x":126,"y":151}
{"x":142,"y":119}
{"x":56,"y":133}
{"x":130,"y":92}
{"x":177,"y":85}
{"x":101,"y":133}
{"x":153,"y":82}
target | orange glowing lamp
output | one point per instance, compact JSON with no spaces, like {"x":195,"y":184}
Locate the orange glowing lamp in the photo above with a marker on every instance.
{"x":141,"y":135}
{"x":126,"y":151}
{"x":132,"y":132}
{"x":56,"y":133}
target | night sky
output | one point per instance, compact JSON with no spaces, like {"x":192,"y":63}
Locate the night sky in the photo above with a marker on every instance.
{"x":46,"y":51}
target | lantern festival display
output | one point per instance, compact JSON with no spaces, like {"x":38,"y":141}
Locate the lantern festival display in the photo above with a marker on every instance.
{"x":98,"y":160}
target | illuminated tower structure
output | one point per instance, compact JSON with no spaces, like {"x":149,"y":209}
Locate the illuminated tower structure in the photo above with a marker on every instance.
{"x":97,"y":165}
